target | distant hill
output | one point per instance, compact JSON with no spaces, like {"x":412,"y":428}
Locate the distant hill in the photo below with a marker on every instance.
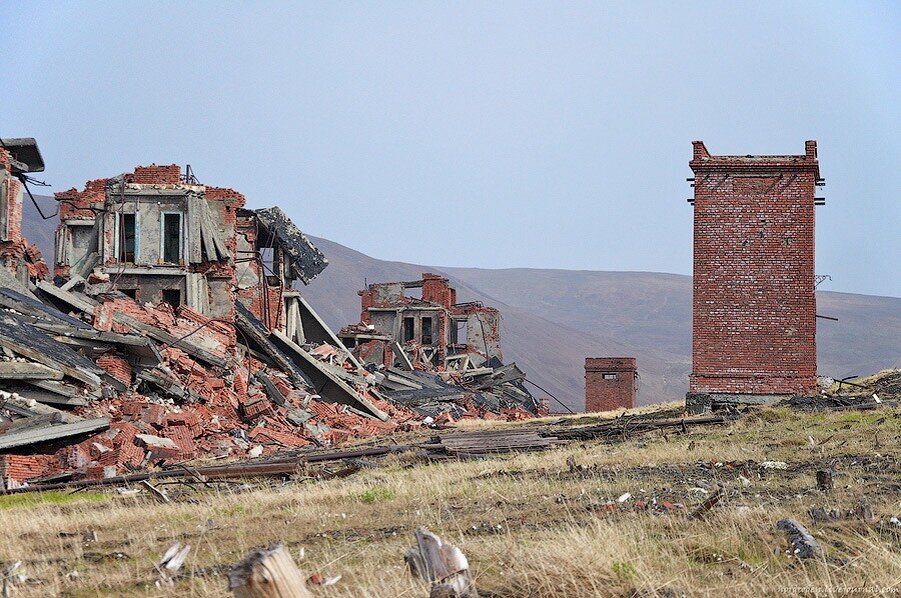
{"x":553,"y":319}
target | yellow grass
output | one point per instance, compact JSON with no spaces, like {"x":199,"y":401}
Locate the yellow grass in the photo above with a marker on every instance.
{"x":530,"y":524}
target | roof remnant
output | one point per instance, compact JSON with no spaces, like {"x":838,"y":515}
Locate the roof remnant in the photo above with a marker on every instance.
{"x":305,"y":258}
{"x":24,"y":153}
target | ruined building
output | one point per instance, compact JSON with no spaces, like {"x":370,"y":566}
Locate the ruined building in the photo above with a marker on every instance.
{"x":610,"y":383}
{"x":418,"y":336}
{"x":431,"y":328}
{"x":158,"y":236}
{"x":173,"y":330}
{"x":18,"y":158}
{"x":754,"y":307}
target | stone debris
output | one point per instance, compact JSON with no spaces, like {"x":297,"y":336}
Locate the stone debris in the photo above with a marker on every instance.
{"x":173,"y":330}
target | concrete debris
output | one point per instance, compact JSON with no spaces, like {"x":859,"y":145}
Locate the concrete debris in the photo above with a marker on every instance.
{"x":804,"y":546}
{"x":172,"y":330}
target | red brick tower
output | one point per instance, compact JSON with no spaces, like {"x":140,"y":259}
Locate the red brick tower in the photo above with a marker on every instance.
{"x":609,"y":383}
{"x":754,"y":311}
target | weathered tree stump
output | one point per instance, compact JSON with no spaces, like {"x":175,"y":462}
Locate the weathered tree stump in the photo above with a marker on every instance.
{"x":442,"y":564}
{"x":824,"y":480}
{"x":268,"y":573}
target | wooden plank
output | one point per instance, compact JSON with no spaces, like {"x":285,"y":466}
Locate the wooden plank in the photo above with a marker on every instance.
{"x":27,"y":437}
{"x":29,"y":352}
{"x":19,"y":370}
{"x":79,"y":302}
{"x":268,"y":573}
{"x":194,"y":234}
{"x":164,"y":337}
{"x":343,"y":386}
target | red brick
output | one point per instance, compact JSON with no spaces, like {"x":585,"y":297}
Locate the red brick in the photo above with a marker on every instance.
{"x":609,"y":383}
{"x":754,"y":310}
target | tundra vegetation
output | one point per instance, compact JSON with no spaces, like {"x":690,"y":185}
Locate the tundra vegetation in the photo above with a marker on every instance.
{"x":586,"y":519}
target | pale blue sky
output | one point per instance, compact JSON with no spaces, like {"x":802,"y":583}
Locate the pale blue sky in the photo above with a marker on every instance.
{"x":524,"y":134}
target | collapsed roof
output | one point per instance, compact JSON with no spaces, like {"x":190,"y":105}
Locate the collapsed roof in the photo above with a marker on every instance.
{"x":306,"y":261}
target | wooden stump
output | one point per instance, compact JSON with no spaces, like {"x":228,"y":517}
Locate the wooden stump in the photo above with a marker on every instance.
{"x":268,"y":573}
{"x":442,"y":564}
{"x":824,"y":480}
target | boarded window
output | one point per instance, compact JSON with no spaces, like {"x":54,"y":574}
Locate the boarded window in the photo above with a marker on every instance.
{"x":427,"y":331}
{"x":171,"y":238}
{"x":127,"y":240}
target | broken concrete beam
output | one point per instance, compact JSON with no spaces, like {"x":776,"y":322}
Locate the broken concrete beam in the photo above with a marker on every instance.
{"x":158,"y":447}
{"x":164,"y":337}
{"x":60,"y":393}
{"x":28,"y":341}
{"x":28,"y":437}
{"x":804,"y":546}
{"x":254,"y":330}
{"x":20,"y":370}
{"x":329,"y":384}
{"x":27,"y":407}
{"x":78,"y":302}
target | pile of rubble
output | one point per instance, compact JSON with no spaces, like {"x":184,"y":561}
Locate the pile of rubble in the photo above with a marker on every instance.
{"x":172,"y":330}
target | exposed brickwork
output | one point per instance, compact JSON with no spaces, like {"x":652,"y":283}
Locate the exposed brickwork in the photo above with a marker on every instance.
{"x":157,"y":175}
{"x":16,"y":469}
{"x":609,"y":383}
{"x":116,"y":366}
{"x":754,"y":308}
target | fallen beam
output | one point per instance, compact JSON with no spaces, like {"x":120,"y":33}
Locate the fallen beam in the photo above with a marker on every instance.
{"x":19,"y":370}
{"x":327,"y":383}
{"x":35,"y":436}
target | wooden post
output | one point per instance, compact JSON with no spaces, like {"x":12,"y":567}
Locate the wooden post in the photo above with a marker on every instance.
{"x":268,"y":573}
{"x":824,"y":480}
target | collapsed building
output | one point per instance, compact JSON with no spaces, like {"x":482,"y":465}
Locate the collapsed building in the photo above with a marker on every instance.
{"x":754,"y":305}
{"x":172,"y":329}
{"x":437,"y":355}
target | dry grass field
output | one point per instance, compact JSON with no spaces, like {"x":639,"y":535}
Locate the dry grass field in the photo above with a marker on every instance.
{"x":537,"y":524}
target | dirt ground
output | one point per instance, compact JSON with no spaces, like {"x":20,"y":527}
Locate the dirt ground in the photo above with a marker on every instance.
{"x":591,"y":518}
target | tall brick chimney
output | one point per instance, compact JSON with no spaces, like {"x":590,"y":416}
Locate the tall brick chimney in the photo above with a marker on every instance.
{"x":754,"y":307}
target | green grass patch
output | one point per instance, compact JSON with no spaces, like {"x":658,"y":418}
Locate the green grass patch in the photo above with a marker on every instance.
{"x":50,"y":497}
{"x":374,"y":494}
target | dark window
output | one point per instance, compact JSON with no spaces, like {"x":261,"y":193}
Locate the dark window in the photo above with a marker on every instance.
{"x":427,"y":331}
{"x":172,"y":238}
{"x":609,"y":376}
{"x":172,"y":297}
{"x":127,"y":242}
{"x":133,"y":293}
{"x":408,"y":329}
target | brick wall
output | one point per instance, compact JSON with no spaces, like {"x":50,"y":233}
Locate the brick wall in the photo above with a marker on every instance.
{"x":157,"y":175}
{"x":754,"y":307}
{"x":609,"y":383}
